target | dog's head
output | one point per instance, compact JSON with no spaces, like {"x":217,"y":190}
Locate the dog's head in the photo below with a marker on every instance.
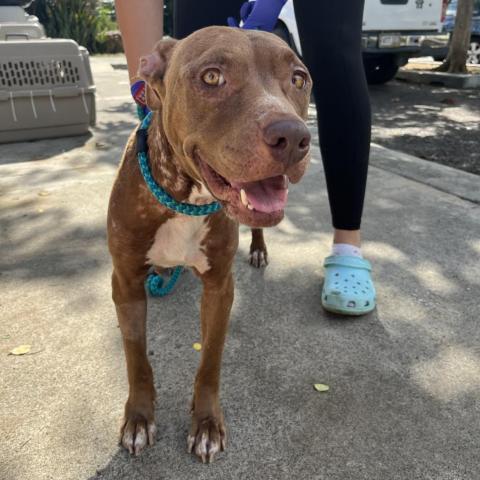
{"x":233,"y":104}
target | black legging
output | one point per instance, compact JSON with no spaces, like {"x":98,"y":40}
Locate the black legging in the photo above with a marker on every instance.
{"x":330,"y":33}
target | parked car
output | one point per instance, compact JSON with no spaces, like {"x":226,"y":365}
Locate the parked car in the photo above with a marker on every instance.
{"x":449,"y":23}
{"x":393,"y":32}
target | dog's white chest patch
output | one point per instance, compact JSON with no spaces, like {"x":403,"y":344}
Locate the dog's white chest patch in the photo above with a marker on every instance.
{"x":179,"y":241}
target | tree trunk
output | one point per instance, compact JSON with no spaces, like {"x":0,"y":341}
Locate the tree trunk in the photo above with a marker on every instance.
{"x":456,"y":61}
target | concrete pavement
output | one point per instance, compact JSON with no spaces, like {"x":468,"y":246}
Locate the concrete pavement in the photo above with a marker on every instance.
{"x":404,"y":397}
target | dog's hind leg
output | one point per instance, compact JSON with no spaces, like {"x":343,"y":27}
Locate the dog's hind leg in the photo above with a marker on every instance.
{"x":207,"y":435}
{"x":138,"y":428}
{"x":258,"y":250}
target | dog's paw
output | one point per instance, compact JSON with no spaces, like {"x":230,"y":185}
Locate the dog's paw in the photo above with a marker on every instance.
{"x":136,"y":435}
{"x":207,"y":437}
{"x":138,"y":430}
{"x":258,"y":258}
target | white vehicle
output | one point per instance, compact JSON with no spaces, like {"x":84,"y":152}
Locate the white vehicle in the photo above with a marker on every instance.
{"x":393,"y":31}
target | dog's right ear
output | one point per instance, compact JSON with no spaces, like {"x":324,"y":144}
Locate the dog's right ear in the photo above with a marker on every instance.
{"x":153,"y":68}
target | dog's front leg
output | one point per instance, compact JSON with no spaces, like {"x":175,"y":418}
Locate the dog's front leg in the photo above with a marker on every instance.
{"x":207,"y":434}
{"x":138,"y":428}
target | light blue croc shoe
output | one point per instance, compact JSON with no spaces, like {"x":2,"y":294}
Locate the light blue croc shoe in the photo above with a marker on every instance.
{"x":348,"y":288}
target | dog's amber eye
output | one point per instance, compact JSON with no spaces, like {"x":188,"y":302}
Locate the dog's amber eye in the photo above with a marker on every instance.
{"x":299,"y":80}
{"x":213,"y":77}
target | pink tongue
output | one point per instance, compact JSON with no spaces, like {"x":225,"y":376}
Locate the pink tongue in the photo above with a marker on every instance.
{"x":269,"y":195}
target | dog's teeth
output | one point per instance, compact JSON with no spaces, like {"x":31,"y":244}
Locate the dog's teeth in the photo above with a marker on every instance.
{"x":243,"y":197}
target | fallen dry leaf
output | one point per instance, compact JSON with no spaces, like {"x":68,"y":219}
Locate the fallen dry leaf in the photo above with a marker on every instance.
{"x":197,"y":346}
{"x":321,"y":387}
{"x":43,"y":193}
{"x":20,"y":350}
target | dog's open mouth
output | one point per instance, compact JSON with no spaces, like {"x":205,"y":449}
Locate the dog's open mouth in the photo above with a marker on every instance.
{"x":258,"y":203}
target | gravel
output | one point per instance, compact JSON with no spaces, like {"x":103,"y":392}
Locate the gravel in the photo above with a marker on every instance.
{"x":436,"y":124}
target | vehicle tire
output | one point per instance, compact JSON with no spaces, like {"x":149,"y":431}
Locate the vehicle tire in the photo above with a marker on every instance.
{"x":473,"y":55}
{"x":380,"y":69}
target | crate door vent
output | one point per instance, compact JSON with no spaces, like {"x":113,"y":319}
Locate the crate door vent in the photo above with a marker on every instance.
{"x":38,"y":73}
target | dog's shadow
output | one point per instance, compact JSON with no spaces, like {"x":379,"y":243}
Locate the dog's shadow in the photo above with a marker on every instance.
{"x":384,"y":411}
{"x":267,"y":378}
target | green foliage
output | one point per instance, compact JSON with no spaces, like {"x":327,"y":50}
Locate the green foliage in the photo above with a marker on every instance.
{"x":85,"y":21}
{"x":105,"y":21}
{"x":75,"y":19}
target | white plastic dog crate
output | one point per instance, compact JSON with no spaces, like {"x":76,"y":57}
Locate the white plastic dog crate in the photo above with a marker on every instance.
{"x":15,"y":24}
{"x":46,"y":90}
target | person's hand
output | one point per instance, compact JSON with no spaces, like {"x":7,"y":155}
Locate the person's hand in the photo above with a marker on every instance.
{"x":259,"y":15}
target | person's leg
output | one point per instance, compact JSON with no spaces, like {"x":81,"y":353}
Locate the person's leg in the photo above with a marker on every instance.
{"x":330,"y":33}
{"x":191,"y":15}
{"x":141,"y":24}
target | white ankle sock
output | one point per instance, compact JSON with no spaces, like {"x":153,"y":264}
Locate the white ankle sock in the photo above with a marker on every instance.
{"x":346,"y":249}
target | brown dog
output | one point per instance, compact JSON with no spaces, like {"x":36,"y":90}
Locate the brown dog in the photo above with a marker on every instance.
{"x":228,"y":125}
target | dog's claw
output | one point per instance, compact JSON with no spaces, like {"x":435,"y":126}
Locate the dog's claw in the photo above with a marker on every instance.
{"x":127,"y":441}
{"x":214,"y":448}
{"x":206,"y":439}
{"x":140,"y":440}
{"x":136,"y":438}
{"x":258,"y":259}
{"x":190,"y":443}
{"x":136,"y":435}
{"x":152,"y":432}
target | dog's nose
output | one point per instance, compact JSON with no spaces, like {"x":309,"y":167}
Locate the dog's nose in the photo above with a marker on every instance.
{"x":288,"y":140}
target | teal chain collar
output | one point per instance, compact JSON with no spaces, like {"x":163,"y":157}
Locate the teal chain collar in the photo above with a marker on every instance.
{"x":155,"y":283}
{"x":158,"y":192}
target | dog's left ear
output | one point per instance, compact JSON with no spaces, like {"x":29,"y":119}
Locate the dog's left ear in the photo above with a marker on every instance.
{"x":153,"y":68}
